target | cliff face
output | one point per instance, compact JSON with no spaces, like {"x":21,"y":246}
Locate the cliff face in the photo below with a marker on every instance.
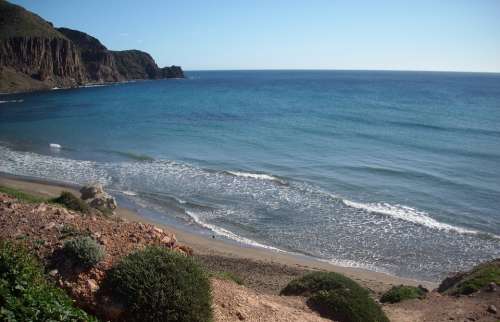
{"x":172,"y":72}
{"x":53,"y":61}
{"x":136,"y":64}
{"x":98,"y":60}
{"x":34,"y":55}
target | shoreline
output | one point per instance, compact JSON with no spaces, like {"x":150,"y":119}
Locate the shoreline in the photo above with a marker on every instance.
{"x":245,"y":257}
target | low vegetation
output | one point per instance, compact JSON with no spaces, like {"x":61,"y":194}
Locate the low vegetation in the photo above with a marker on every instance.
{"x":473,"y":280}
{"x":83,"y":251}
{"x":336,"y":296}
{"x":25,"y":294}
{"x":403,"y":292}
{"x":70,"y":201}
{"x":21,"y":196}
{"x":69,"y":231}
{"x":66,"y":199}
{"x":156,"y":284}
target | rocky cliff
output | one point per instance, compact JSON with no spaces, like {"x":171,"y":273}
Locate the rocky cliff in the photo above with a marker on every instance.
{"x":34,"y":55}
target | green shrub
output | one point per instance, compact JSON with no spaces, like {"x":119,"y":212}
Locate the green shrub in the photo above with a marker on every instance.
{"x":402,"y":292}
{"x":318,"y":281}
{"x":156,"y":284}
{"x":21,"y":196}
{"x":337,"y":297}
{"x":25,"y":294}
{"x":83,"y":251}
{"x":72,"y":202}
{"x":473,"y":280}
{"x":345,"y":304}
{"x":229,"y":276}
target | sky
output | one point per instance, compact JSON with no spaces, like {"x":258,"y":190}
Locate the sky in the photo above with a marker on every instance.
{"x":441,"y":35}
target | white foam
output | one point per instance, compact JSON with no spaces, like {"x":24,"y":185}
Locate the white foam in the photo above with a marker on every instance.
{"x":129,"y":193}
{"x":228,"y":234}
{"x":12,"y":101}
{"x":352,"y":264}
{"x":55,"y":146}
{"x":259,"y":176}
{"x":51,"y":167}
{"x":407,"y":214}
{"x":93,"y":85}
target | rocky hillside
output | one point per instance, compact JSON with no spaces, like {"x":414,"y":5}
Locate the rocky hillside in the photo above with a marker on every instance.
{"x":34,"y":56}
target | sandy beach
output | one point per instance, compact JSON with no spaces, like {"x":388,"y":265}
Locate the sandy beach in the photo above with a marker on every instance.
{"x":262,"y":269}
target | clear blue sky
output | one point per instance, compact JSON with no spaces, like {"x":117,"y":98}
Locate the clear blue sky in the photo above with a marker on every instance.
{"x":452,"y":35}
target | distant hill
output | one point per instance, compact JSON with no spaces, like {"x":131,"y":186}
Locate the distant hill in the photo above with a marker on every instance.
{"x":34,"y":56}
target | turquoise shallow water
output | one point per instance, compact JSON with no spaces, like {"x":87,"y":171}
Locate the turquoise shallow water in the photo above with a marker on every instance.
{"x":392,"y":171}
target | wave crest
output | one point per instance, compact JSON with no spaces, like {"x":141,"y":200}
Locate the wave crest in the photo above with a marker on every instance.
{"x":407,"y":214}
{"x":228,"y":234}
{"x":258,"y":176}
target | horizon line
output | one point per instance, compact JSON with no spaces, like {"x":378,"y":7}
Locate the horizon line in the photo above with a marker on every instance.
{"x":340,"y":69}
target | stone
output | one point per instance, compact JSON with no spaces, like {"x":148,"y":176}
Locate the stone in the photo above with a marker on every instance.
{"x":92,"y":284}
{"x":97,"y":198}
{"x":50,"y":225}
{"x":62,"y":212}
{"x":97,"y":203}
{"x":167,"y":240}
{"x":41,"y":207}
{"x":492,"y":309}
{"x":185,"y":250}
{"x":91,"y":191}
{"x":54,"y":272}
{"x":240,"y":315}
{"x":111,"y":203}
{"x":492,"y":287}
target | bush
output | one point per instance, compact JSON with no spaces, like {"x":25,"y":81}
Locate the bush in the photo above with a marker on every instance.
{"x":72,"y":202}
{"x":83,"y":251}
{"x":25,"y":295}
{"x":318,"y":281}
{"x":336,"y":296}
{"x":156,"y":284}
{"x":402,"y":292}
{"x":473,"y":280}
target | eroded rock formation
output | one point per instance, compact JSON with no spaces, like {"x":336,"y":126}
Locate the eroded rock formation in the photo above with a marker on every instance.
{"x":34,"y":55}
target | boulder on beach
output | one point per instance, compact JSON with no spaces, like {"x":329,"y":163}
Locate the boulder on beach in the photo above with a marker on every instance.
{"x":95,"y":196}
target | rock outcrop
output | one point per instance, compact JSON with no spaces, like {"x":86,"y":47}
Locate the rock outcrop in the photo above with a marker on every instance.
{"x":97,"y":198}
{"x":34,"y":55}
{"x":99,"y":62}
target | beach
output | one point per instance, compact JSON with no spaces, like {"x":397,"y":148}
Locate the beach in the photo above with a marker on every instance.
{"x":264,"y":270}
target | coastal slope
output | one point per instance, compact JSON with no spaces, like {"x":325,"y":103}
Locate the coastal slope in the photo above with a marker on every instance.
{"x":35,"y":56}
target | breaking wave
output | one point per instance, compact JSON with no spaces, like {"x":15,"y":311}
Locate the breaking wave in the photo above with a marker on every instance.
{"x":228,"y":234}
{"x":407,"y":214}
{"x":258,"y":176}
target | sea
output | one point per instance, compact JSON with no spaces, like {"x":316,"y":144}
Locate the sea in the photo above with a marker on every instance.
{"x":397,"y":172}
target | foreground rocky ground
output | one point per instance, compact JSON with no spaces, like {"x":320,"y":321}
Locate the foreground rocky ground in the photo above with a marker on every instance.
{"x":437,"y":308}
{"x":44,"y":228}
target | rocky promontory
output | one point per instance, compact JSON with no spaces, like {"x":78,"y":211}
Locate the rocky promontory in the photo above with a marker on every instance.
{"x":35,"y":56}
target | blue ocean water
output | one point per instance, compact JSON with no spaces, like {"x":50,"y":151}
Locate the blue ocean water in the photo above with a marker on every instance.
{"x":391,"y":171}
